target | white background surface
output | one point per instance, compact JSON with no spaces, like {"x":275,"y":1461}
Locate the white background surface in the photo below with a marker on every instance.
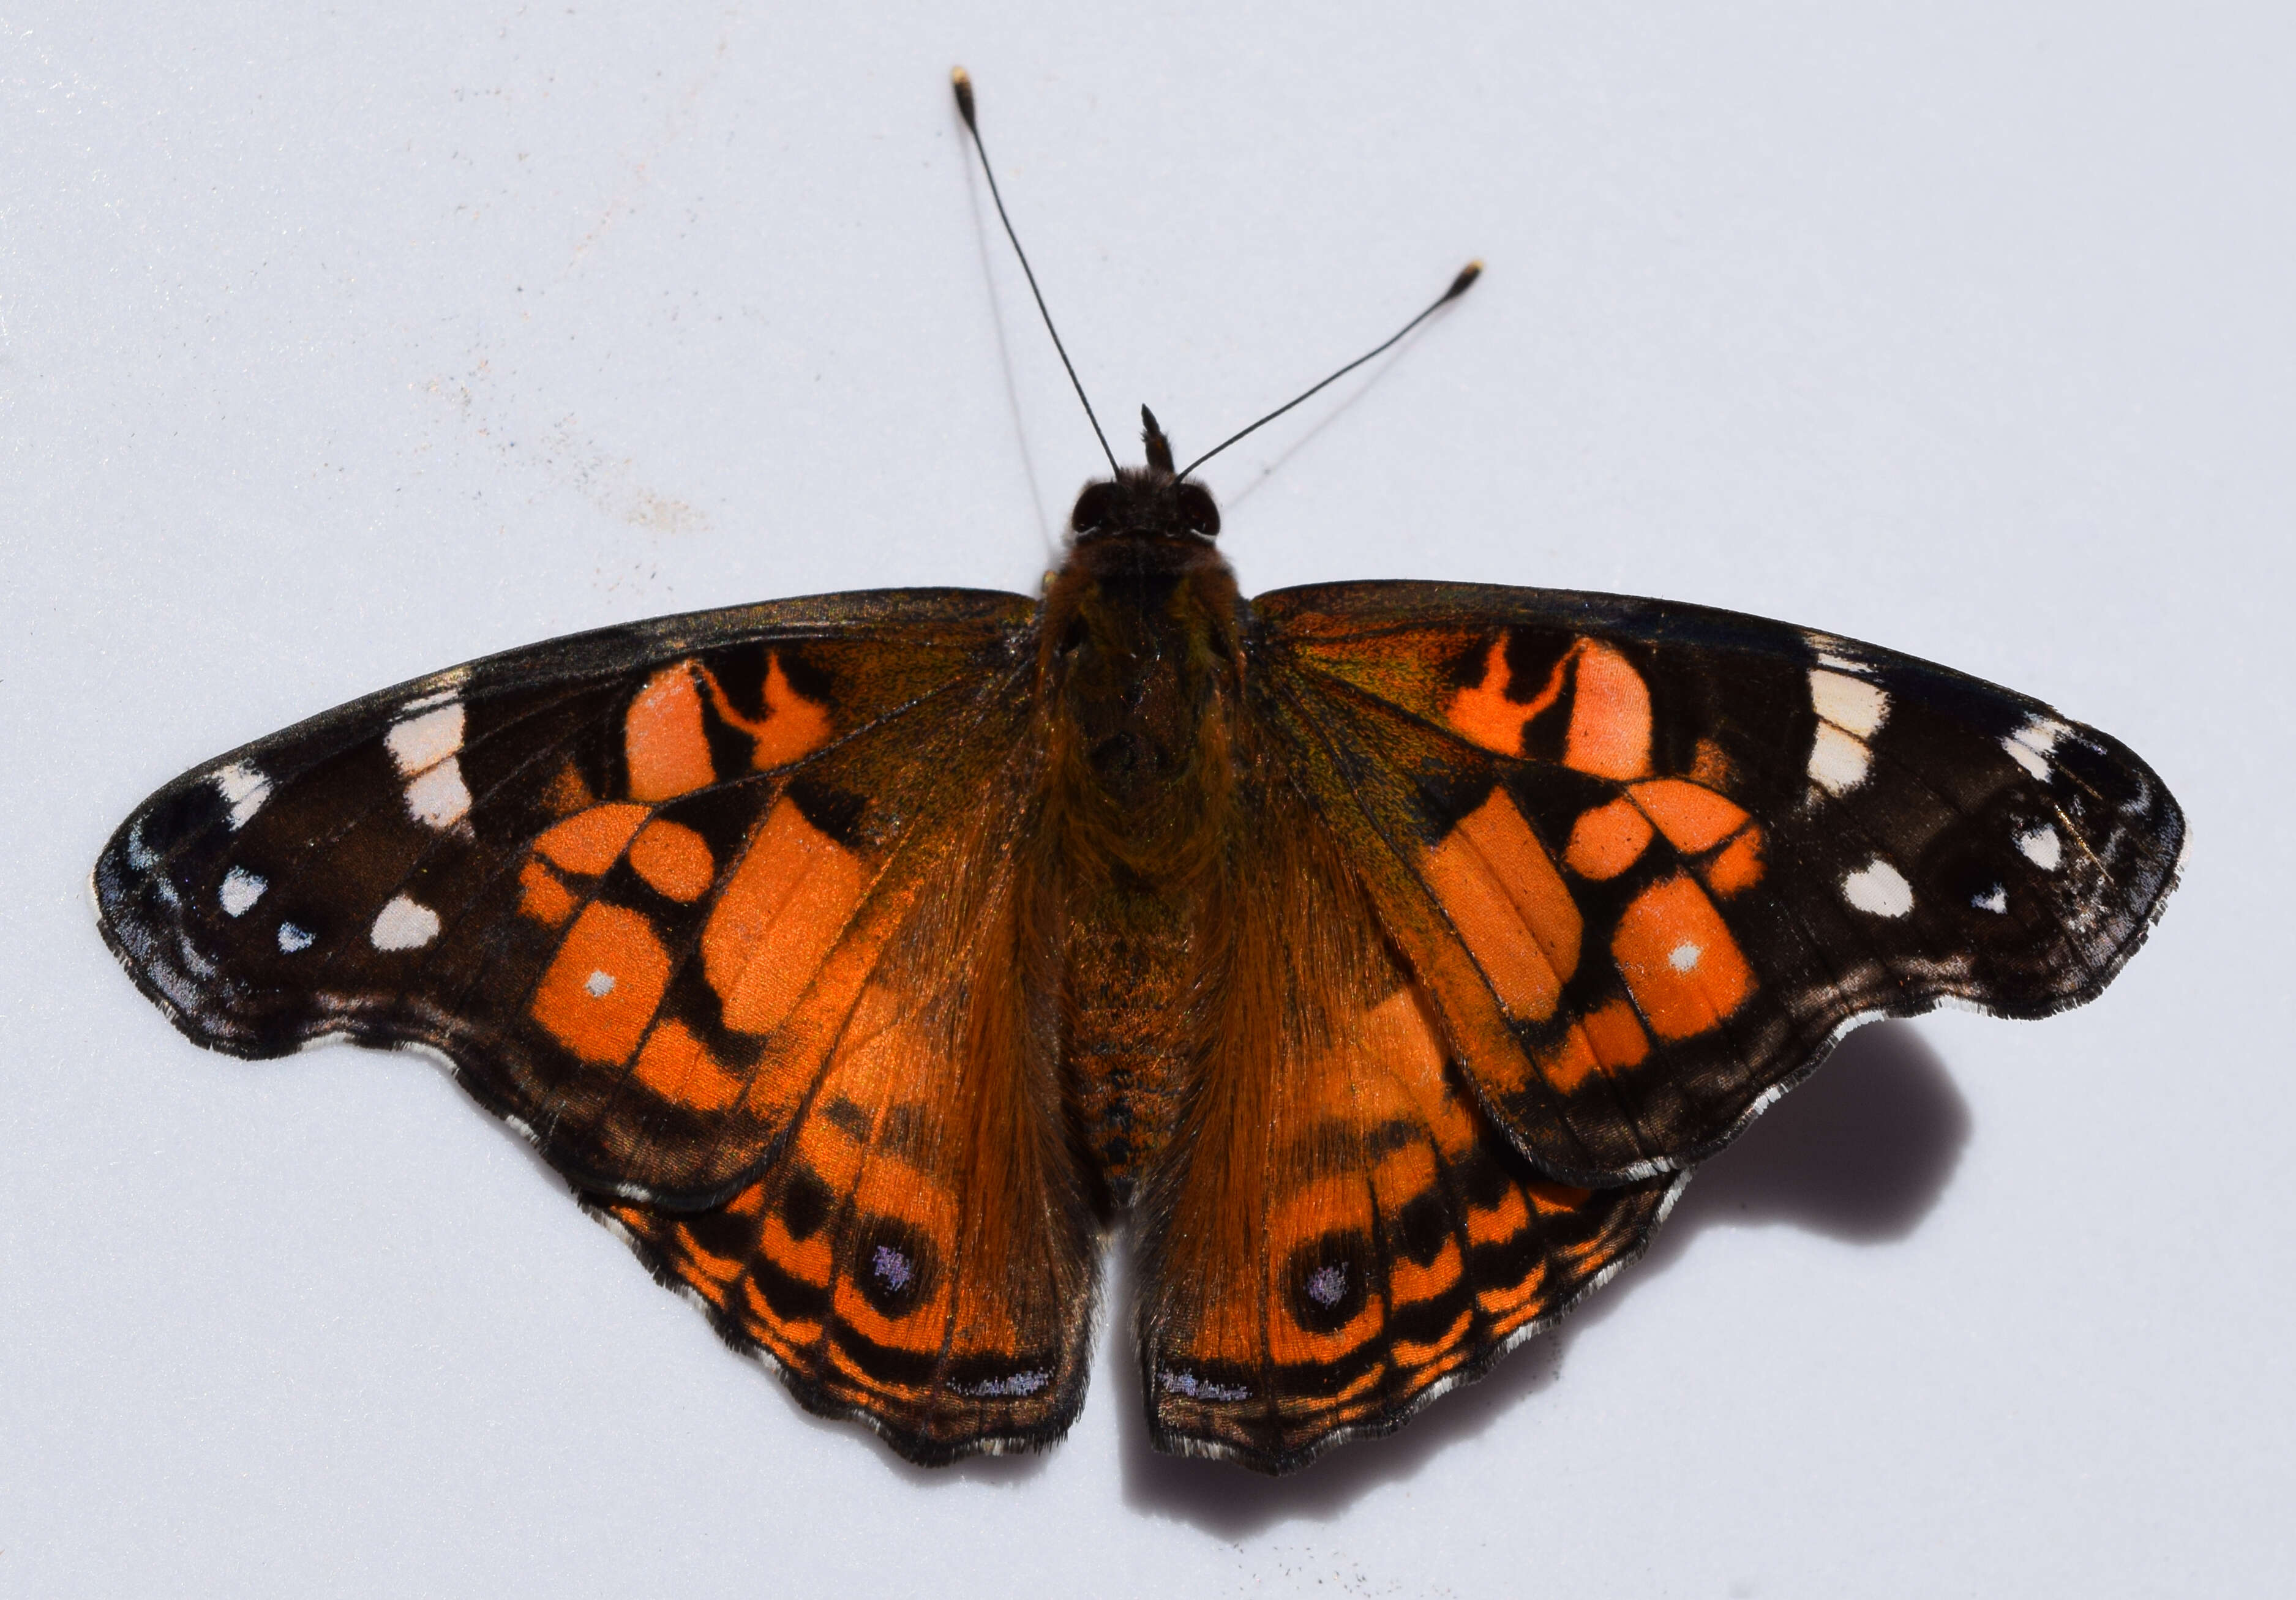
{"x":336,"y":348}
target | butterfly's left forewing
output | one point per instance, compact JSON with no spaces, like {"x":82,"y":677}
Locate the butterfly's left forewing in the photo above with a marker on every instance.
{"x":1651,"y":860}
{"x":625,"y":882}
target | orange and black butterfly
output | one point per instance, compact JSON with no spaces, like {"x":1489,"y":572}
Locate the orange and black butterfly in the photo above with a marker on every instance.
{"x":1389,"y":950}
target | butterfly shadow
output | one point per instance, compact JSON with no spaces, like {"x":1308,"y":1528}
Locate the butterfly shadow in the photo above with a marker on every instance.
{"x":1860,"y":1154}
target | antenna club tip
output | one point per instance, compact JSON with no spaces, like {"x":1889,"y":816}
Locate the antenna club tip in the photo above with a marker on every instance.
{"x":961,"y":81}
{"x":1466,"y":278}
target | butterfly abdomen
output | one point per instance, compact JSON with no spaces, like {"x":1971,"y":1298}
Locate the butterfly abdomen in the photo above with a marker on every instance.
{"x":1141,"y":675}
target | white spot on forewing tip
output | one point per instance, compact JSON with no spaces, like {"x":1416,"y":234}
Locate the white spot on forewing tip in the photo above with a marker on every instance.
{"x":1878,"y":889}
{"x":419,"y":743}
{"x":439,"y":799}
{"x":1838,"y":760}
{"x":2041,"y":733}
{"x":2042,"y":847}
{"x":241,"y":889}
{"x":2031,"y":760}
{"x":1995,"y":900}
{"x":292,"y":938}
{"x":244,"y":787}
{"x":405,"y":924}
{"x":2031,"y":746}
{"x":1850,"y":704}
{"x":1826,"y":646}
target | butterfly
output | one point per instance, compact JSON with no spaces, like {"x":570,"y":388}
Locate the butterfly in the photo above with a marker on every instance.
{"x":1388,"y":952}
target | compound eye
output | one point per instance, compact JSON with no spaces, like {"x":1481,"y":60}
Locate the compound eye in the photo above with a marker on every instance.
{"x":1197,"y":512}
{"x":1096,"y":507}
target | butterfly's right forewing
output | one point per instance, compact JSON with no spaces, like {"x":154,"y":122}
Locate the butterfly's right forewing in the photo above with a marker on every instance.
{"x":1651,"y":860}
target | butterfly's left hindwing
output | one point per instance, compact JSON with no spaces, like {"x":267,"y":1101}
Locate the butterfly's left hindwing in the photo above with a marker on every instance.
{"x":1651,"y":860}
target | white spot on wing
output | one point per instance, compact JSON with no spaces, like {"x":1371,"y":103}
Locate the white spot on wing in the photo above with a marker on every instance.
{"x":292,"y":938}
{"x":419,"y":743}
{"x":405,"y":924}
{"x":1837,"y":760}
{"x":2031,"y":760}
{"x":439,"y":797}
{"x":892,"y":1268}
{"x":2042,"y":847}
{"x":1684,"y":956}
{"x":1196,"y":1388}
{"x":1878,"y":889}
{"x":2029,"y":747}
{"x":1824,"y":645}
{"x":245,"y":788}
{"x":1850,"y":704}
{"x":241,"y":889}
{"x":599,"y":985}
{"x":1014,"y":1384}
{"x":1995,"y":900}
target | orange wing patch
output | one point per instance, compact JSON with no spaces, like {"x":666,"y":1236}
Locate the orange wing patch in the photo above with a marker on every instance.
{"x":601,"y":990}
{"x":793,"y":726}
{"x":544,"y":895}
{"x":1608,"y":839}
{"x":675,"y":1067}
{"x":663,"y":740}
{"x":666,"y":739}
{"x":1692,"y":817}
{"x":774,"y":922}
{"x":1495,"y":883}
{"x":1485,"y":713}
{"x":590,"y":841}
{"x":1737,"y":867}
{"x":1609,"y":731}
{"x":1686,"y":972}
{"x":674,"y":859}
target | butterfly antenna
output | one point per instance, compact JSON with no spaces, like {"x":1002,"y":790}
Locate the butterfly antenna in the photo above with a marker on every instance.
{"x":963,"y":81}
{"x":1459,"y":285}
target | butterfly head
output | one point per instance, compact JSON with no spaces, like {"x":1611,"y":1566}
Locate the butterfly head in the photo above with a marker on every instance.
{"x":1153,"y":502}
